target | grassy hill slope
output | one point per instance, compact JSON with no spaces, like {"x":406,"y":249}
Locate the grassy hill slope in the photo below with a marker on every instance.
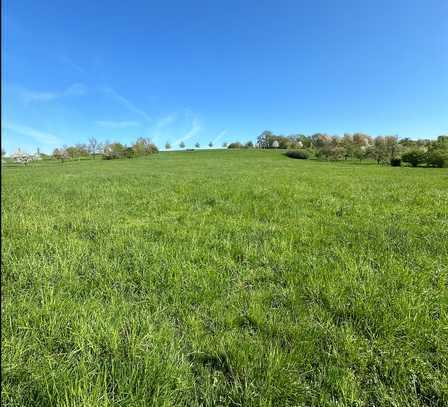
{"x":224,"y":278}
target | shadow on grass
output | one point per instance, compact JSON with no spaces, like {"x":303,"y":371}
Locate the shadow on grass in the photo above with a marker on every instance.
{"x":218,"y":362}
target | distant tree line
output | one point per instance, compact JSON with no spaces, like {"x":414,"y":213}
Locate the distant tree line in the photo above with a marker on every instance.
{"x":383,"y":149}
{"x":107,"y":150}
{"x":359,"y":146}
{"x":182,"y":145}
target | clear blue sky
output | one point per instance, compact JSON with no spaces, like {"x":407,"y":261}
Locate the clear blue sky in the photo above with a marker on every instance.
{"x":222,"y":71}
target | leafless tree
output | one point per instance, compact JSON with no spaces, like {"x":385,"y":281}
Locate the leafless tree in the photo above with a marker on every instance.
{"x":93,"y":146}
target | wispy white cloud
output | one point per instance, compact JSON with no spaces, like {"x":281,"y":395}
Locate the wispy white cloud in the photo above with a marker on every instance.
{"x":116,"y":124}
{"x":76,"y":89}
{"x":166,"y":121}
{"x":30,"y":96}
{"x":41,"y":137}
{"x":218,"y":137}
{"x":157,"y":131}
{"x":126,"y":103}
{"x":195,"y":129}
{"x":67,"y":61}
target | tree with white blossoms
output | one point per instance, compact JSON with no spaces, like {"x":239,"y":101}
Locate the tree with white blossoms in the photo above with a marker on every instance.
{"x":60,"y":154}
{"x":21,"y":157}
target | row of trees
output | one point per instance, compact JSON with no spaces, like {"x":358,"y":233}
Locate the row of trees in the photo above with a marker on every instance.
{"x":141,"y":147}
{"x":383,"y":149}
{"x":94,"y":148}
{"x":183,"y":145}
{"x":107,"y":150}
{"x":360,"y":146}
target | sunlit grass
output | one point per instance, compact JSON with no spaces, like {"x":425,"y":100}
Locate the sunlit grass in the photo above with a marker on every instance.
{"x":224,"y":278}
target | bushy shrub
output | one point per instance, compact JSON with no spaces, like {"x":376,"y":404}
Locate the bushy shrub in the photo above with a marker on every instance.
{"x":395,"y":162}
{"x":129,"y":152}
{"x":153,"y":149}
{"x":299,"y":154}
{"x":144,"y":146}
{"x":437,"y":158}
{"x":111,"y":155}
{"x":414,"y":157}
{"x":235,"y":144}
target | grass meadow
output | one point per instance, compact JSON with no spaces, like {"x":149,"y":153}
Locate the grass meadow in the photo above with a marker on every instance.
{"x":224,"y":278}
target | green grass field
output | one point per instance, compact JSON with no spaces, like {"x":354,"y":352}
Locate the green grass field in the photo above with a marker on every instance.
{"x":240,"y":278}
